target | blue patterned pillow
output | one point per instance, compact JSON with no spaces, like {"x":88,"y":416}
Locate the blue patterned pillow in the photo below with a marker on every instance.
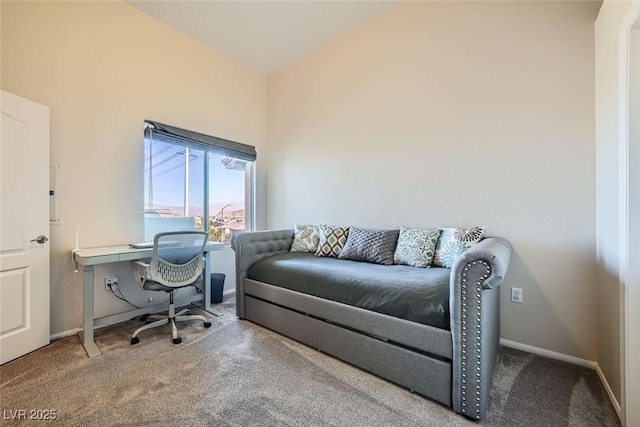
{"x":416,"y":247}
{"x":453,"y":242}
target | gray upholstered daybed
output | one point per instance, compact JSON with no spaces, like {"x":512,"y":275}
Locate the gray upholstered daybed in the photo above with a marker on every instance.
{"x":451,"y":362}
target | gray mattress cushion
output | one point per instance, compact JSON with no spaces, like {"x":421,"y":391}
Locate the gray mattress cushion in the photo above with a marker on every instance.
{"x":416,"y":294}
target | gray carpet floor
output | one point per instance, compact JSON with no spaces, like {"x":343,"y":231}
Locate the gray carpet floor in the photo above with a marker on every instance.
{"x":240,"y":374}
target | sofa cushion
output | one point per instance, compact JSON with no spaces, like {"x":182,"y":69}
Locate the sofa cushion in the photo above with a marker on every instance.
{"x":332,"y":240}
{"x":305,"y":239}
{"x":416,"y":294}
{"x":453,"y":242}
{"x":375,"y":246}
{"x":416,"y":247}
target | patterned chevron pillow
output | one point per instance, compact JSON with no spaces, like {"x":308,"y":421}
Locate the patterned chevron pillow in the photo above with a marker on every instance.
{"x":453,"y":242}
{"x":305,"y":239}
{"x":375,"y":246}
{"x":416,"y":247}
{"x":332,"y":240}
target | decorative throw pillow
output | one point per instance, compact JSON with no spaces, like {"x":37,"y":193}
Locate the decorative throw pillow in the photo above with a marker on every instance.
{"x":453,"y":242}
{"x":305,"y":239}
{"x":375,"y":246}
{"x":416,"y":247}
{"x":332,"y":240}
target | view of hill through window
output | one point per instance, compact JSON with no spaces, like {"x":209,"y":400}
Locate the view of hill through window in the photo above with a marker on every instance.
{"x":175,"y":192}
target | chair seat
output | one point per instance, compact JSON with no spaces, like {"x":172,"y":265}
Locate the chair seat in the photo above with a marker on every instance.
{"x":150,"y":285}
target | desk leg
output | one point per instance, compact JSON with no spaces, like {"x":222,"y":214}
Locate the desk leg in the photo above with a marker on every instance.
{"x":207,"y":287}
{"x":86,"y":335}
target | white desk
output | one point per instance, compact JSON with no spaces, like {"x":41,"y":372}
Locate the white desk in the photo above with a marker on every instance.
{"x":87,"y":258}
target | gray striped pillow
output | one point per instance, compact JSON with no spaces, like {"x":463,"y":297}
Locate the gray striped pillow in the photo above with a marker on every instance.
{"x":375,"y":246}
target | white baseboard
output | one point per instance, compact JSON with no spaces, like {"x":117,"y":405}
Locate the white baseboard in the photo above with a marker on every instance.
{"x":569,"y":359}
{"x":607,"y":387}
{"x":64,"y":333}
{"x":74,"y":331}
{"x":548,"y":353}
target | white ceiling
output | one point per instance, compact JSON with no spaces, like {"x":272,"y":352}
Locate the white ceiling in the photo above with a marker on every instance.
{"x":264,"y":35}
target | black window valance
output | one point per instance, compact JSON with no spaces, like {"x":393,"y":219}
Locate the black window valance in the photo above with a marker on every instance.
{"x":171,"y":134}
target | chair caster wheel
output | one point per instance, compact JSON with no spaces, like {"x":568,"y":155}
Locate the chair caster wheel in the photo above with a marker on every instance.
{"x":207,"y":324}
{"x":135,"y":340}
{"x":177,"y":340}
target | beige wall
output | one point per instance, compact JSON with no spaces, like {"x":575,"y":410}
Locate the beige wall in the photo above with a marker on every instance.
{"x":456,"y":114}
{"x":102,"y":68}
{"x":434,"y":114}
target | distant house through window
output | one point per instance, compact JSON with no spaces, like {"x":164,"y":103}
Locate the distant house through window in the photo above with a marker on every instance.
{"x":195,"y":181}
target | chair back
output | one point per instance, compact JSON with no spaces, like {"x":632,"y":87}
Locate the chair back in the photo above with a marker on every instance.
{"x":178,"y":257}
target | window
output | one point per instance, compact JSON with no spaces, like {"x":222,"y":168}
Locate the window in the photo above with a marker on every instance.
{"x":196,"y":181}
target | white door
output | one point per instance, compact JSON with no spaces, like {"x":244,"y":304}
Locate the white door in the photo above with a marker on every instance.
{"x":24,"y":215}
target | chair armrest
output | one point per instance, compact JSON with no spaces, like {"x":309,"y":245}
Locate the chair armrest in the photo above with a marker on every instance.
{"x":251,"y":247}
{"x":474,"y":305}
{"x":140,"y":272}
{"x":141,"y":263}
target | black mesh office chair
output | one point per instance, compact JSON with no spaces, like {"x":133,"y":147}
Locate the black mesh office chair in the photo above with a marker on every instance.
{"x":177,"y":261}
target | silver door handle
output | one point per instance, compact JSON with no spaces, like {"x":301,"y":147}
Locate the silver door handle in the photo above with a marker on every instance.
{"x":42,"y":239}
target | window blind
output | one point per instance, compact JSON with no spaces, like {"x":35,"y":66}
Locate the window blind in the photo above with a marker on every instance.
{"x":171,"y":134}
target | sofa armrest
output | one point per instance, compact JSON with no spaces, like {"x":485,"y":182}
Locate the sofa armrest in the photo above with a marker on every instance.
{"x":494,"y":251}
{"x":251,"y":247}
{"x":474,"y":304}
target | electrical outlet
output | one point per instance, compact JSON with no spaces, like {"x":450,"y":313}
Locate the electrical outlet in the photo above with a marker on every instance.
{"x":111,"y":283}
{"x":516,"y":295}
